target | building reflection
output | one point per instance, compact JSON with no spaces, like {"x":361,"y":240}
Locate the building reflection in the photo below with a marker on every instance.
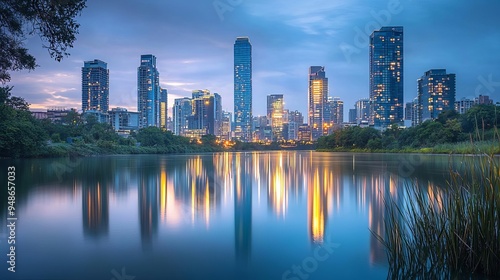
{"x":278,"y":182}
{"x":323,"y":192}
{"x":95,"y":210}
{"x":148,"y":195}
{"x":243,"y":206}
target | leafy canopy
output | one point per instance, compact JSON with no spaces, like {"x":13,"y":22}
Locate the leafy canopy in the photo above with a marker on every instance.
{"x":52,"y":20}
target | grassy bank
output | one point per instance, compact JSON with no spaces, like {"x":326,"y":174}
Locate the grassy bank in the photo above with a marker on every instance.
{"x":487,"y":147}
{"x":447,"y":232}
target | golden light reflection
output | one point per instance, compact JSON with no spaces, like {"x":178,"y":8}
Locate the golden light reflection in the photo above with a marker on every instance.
{"x":316,"y":209}
{"x":277,"y":190}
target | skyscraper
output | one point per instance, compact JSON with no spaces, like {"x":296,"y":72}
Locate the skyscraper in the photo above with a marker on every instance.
{"x":206,"y":114}
{"x":226,"y":125}
{"x":336,"y":110}
{"x":352,"y":115}
{"x":163,"y":108}
{"x":148,"y":92}
{"x":95,"y":86}
{"x":386,"y":77}
{"x":436,"y":93}
{"x":181,"y":111}
{"x":243,"y":89}
{"x":363,"y":111}
{"x":275,"y":115}
{"x":318,"y":98}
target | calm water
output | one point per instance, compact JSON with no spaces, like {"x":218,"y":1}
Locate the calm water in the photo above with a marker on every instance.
{"x":271,"y":215}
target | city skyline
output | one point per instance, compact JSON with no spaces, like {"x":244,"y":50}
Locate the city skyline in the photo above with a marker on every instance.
{"x":303,"y":35}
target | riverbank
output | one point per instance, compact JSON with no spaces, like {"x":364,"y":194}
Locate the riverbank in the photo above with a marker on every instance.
{"x":483,"y":147}
{"x":55,"y":150}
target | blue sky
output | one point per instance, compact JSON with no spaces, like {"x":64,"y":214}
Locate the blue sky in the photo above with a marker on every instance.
{"x":193,"y":42}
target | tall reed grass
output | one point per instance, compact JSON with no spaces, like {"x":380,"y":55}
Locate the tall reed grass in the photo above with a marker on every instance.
{"x":455,"y":233}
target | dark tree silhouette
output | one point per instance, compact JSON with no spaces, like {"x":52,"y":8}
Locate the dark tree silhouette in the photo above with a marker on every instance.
{"x":52,"y":20}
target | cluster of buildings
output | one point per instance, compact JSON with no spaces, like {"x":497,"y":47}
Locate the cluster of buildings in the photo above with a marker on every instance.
{"x":202,"y":113}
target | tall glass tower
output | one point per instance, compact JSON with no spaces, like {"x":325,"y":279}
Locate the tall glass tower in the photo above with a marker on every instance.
{"x":163,"y":108}
{"x":318,"y":99}
{"x":148,"y":92}
{"x":243,"y":89}
{"x":95,"y":86}
{"x":436,"y":93}
{"x":386,"y":77}
{"x":275,"y":115}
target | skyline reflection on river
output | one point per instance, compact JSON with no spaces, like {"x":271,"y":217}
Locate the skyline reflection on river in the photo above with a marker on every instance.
{"x":229,"y":215}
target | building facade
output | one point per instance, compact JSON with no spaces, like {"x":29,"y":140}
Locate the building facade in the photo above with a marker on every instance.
{"x":182,"y":109}
{"x":336,"y":111}
{"x":163,"y":108}
{"x":436,"y":93}
{"x":463,"y":105}
{"x":318,"y":98}
{"x":243,"y":89}
{"x":363,"y":111}
{"x":148,"y":92}
{"x":206,"y":114}
{"x":386,"y":77}
{"x":226,"y":126}
{"x":123,"y":121}
{"x":275,"y":115}
{"x":95,"y":86}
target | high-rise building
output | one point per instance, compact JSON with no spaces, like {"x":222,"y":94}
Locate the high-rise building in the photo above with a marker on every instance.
{"x":436,"y":93}
{"x":275,"y":115}
{"x":386,"y":77}
{"x":163,"y":108}
{"x":415,"y":109}
{"x":148,"y":92}
{"x":206,"y":114}
{"x":95,"y":86}
{"x":408,"y":111}
{"x":336,"y":110}
{"x":352,"y":115}
{"x":318,"y":98}
{"x":463,"y":105}
{"x":181,"y":111}
{"x":243,"y":89}
{"x":226,"y":125}
{"x":483,"y":100}
{"x":363,"y":111}
{"x":295,"y":120}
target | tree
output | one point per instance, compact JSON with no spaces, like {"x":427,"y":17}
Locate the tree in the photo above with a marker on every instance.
{"x":52,"y":20}
{"x":14,"y":102}
{"x":21,"y":135}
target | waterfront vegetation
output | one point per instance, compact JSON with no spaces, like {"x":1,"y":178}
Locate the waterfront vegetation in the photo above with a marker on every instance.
{"x":451,"y":132}
{"x":449,"y":232}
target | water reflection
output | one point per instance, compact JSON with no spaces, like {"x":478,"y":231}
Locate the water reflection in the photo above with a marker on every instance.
{"x":243,"y":206}
{"x":306,"y":195}
{"x":95,"y":210}
{"x":148,"y":195}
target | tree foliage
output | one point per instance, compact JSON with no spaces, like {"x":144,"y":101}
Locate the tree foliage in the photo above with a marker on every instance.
{"x":449,"y":127}
{"x":52,"y":20}
{"x":21,"y":134}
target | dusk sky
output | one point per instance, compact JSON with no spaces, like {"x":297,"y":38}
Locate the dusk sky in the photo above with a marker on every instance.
{"x":193,"y":42}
